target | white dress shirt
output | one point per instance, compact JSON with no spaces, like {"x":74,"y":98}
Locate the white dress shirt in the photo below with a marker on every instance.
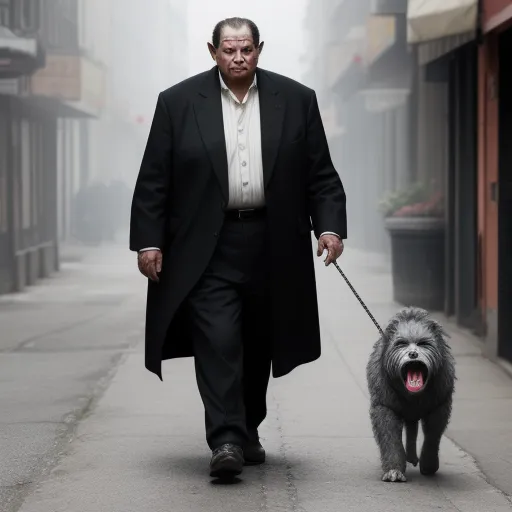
{"x":242,"y":131}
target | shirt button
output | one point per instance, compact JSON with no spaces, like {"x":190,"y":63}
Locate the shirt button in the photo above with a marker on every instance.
{"x":244,"y":164}
{"x":241,"y":129}
{"x":241,"y":146}
{"x":245,"y":183}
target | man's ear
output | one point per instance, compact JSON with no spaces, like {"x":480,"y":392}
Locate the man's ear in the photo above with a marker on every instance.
{"x":213,"y":51}
{"x":260,"y":47}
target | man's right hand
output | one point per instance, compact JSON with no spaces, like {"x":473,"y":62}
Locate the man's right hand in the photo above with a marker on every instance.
{"x":150,"y":264}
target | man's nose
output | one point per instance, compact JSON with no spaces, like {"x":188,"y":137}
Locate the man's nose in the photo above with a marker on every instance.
{"x":413,"y":354}
{"x":239,"y":57}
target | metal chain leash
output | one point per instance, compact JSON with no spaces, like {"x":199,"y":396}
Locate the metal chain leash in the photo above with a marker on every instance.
{"x":360,"y":300}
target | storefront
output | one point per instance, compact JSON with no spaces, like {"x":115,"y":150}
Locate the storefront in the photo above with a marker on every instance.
{"x":495,"y":176}
{"x":444,"y":35}
{"x":22,"y":145}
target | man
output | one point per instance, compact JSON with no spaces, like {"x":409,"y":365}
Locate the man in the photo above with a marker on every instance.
{"x":235,"y":170}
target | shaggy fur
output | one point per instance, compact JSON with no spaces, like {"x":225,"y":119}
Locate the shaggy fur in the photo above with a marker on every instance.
{"x":411,"y":378}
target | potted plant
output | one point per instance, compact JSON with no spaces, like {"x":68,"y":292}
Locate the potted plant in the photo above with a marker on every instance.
{"x":414,"y":218}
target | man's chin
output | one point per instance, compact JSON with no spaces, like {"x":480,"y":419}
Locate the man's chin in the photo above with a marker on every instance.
{"x":244,"y":73}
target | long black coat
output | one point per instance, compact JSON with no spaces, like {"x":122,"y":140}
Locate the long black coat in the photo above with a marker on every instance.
{"x":181,"y":192}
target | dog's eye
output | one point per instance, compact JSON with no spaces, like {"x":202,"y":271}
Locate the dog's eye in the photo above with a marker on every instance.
{"x":422,"y":343}
{"x":401,"y":343}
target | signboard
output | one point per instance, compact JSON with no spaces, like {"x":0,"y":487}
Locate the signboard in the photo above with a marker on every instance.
{"x":60,"y":78}
{"x":381,"y":35}
{"x":21,"y":17}
{"x":73,"y":79}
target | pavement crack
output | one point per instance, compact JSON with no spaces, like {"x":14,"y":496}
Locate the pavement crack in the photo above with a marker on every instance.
{"x":291,"y":489}
{"x":264,"y":492}
{"x":63,"y":437}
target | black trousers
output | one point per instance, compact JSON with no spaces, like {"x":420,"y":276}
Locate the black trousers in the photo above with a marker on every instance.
{"x":230,"y":317}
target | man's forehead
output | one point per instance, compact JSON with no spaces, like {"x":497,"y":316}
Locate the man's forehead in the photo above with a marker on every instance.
{"x":237,"y":39}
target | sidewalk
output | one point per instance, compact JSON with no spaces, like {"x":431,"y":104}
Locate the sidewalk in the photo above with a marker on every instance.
{"x":482,"y":413}
{"x":132,"y":454}
{"x":59,"y":341}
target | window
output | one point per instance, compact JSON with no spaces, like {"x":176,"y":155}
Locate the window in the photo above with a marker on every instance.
{"x":4,"y":142}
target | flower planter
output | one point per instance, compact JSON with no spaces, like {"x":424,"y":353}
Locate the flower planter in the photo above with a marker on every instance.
{"x":417,"y":248}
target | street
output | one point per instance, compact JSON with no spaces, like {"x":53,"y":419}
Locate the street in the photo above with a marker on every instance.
{"x":78,"y":433}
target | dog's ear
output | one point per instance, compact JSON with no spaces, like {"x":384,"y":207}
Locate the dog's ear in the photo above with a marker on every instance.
{"x":391,"y":329}
{"x":437,"y":329}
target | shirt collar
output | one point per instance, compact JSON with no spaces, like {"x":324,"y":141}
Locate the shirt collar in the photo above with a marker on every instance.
{"x":224,"y":87}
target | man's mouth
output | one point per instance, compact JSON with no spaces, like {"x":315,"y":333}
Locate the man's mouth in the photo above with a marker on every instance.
{"x":415,"y":376}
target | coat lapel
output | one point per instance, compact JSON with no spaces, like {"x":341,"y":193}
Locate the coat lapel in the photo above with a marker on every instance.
{"x":208,"y":111}
{"x":272,"y":110}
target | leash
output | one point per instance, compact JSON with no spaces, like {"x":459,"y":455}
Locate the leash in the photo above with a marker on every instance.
{"x":360,"y":300}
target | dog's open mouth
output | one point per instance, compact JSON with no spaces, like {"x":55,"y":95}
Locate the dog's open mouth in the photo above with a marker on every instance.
{"x":415,"y":376}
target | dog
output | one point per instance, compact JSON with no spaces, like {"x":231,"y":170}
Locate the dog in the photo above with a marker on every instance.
{"x":411,"y":378}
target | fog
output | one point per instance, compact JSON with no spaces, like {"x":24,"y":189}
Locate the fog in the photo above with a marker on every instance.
{"x":96,"y":110}
{"x":280,"y":24}
{"x":149,"y":50}
{"x":416,"y":132}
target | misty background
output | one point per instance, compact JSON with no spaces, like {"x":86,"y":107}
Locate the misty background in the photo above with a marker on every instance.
{"x":281,"y":26}
{"x":417,"y":121}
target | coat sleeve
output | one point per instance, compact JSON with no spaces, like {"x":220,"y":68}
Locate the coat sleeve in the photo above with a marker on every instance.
{"x":326,"y":195}
{"x":151,"y":194}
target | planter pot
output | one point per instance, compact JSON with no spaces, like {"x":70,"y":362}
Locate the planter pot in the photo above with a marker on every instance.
{"x":417,"y":248}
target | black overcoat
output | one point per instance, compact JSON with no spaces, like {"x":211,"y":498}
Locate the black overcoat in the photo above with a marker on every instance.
{"x":182,"y":189}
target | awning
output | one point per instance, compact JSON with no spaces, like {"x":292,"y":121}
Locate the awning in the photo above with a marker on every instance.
{"x":18,"y":55}
{"x":16,"y":44}
{"x":428,"y":20}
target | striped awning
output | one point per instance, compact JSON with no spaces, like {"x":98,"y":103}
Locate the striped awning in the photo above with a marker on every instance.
{"x":428,"y":20}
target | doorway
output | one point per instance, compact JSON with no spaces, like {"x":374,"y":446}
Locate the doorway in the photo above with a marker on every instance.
{"x":505,"y":200}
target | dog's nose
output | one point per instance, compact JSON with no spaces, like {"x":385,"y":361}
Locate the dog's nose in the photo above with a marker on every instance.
{"x":413,"y":354}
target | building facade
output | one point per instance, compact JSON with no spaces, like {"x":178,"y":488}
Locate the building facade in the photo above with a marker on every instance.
{"x":421,"y":95}
{"x":78,"y":86}
{"x":495,"y":175}
{"x":32,"y":101}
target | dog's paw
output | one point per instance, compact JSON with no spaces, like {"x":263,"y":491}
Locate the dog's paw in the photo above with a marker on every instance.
{"x":412,"y":458}
{"x":429,"y":465}
{"x":394,"y":475}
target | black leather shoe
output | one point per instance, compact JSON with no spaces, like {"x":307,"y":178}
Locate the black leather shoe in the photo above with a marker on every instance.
{"x":254,"y":453}
{"x":227,"y":461}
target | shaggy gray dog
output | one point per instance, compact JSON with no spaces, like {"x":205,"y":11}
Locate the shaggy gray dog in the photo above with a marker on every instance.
{"x":411,"y":378}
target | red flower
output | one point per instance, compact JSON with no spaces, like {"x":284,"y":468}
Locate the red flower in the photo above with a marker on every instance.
{"x":431,"y":207}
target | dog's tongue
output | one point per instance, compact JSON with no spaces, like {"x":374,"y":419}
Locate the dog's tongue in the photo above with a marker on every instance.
{"x":414,"y":381}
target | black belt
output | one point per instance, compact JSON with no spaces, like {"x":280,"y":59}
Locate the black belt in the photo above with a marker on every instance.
{"x":247,"y":214}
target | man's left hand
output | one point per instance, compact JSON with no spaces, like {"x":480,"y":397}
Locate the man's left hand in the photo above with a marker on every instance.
{"x":333,"y":245}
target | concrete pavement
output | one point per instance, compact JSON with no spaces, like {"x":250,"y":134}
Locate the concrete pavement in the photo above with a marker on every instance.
{"x":131,"y":453}
{"x":59,"y":341}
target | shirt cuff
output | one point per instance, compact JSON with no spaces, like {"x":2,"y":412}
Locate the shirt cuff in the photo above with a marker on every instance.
{"x":330,"y":233}
{"x":149,"y":249}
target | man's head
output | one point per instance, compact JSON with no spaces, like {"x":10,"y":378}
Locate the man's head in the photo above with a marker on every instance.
{"x":236,"y":47}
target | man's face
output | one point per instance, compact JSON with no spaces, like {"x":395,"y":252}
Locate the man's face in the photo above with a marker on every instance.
{"x":237,"y":56}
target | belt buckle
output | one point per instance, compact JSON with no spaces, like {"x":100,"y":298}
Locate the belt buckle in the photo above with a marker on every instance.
{"x":240,"y":212}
